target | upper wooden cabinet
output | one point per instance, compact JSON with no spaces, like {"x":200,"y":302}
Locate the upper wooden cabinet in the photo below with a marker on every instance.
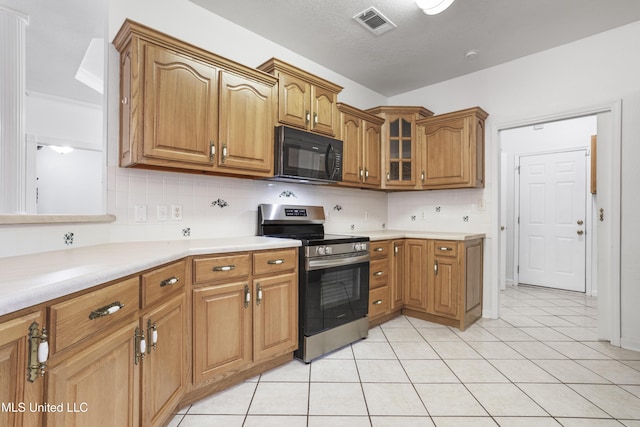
{"x":399,"y":145}
{"x":453,"y":149}
{"x":188,"y":109}
{"x":361,"y":151}
{"x":304,"y":100}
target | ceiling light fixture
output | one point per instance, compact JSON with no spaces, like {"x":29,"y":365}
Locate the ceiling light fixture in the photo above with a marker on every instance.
{"x":433,"y":7}
{"x":61,"y":150}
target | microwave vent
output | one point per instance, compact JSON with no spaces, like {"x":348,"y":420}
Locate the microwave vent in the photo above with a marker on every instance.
{"x":373,"y":20}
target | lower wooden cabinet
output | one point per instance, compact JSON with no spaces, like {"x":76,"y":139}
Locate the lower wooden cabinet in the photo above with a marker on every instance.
{"x":415,"y":296}
{"x":398,"y":274}
{"x":18,"y":395}
{"x":100,"y":382}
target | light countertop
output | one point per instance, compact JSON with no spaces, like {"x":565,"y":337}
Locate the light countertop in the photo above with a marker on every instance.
{"x":28,"y":280}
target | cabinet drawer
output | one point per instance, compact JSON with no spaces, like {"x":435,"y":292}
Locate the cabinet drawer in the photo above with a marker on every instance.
{"x":163,"y":281}
{"x":379,"y":249}
{"x":445,"y":248}
{"x":378,"y":273}
{"x":213,"y":269}
{"x":75,"y":319}
{"x":378,"y":301}
{"x":274,"y":261}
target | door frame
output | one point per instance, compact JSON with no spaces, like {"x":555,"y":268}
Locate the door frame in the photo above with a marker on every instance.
{"x":612,"y":332}
{"x":590,"y":254}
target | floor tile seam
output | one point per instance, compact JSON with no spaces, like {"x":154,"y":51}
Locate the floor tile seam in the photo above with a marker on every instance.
{"x":593,"y":403}
{"x":364,"y":396}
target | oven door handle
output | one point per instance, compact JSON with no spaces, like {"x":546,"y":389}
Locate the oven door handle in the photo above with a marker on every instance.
{"x":337,"y":261}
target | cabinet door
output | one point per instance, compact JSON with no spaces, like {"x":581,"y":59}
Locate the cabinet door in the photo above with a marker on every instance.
{"x":416,"y":280}
{"x":221,"y":330}
{"x":180,"y":109}
{"x":371,"y":159}
{"x":398,"y":274}
{"x":400,"y":151}
{"x":247,"y":118}
{"x":18,"y":394}
{"x":275,"y":318}
{"x":98,"y":384}
{"x":164,"y":369}
{"x":294,"y":101}
{"x":446,"y":153}
{"x":444,"y":289}
{"x":324,"y":111}
{"x":351,"y":136}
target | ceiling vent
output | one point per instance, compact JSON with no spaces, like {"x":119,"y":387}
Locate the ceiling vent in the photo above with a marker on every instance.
{"x":373,"y":20}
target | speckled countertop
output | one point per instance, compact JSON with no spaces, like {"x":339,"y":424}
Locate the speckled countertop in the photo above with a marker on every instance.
{"x":29,"y":280}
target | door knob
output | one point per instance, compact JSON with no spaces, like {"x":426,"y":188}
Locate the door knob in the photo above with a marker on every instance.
{"x":580,"y":222}
{"x":580,"y":232}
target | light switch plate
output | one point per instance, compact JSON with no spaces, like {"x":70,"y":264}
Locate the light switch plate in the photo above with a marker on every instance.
{"x":140,"y":213}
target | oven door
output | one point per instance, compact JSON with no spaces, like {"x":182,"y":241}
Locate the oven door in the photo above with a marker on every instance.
{"x":335,"y":291}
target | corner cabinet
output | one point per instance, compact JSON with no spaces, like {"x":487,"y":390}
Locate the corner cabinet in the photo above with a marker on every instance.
{"x":360,"y":133}
{"x":400,"y":159}
{"x":305,"y":101}
{"x":183,"y":108}
{"x":452,"y":148}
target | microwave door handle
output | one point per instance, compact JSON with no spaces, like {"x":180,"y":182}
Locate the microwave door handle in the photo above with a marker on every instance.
{"x":330,"y":161}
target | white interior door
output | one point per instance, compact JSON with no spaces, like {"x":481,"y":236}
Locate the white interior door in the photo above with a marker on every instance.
{"x":552,"y":244}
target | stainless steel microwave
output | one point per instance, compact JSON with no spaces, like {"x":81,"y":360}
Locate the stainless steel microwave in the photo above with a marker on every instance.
{"x":302,"y":156}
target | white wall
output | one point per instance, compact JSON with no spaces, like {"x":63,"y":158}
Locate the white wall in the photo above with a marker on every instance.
{"x":586,"y":74}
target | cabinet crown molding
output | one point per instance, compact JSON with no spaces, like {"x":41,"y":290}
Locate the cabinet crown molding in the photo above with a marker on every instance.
{"x":274,"y":65}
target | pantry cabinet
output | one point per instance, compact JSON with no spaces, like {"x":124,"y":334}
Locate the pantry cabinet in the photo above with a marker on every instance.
{"x":452,"y":147}
{"x":400,"y":155}
{"x":20,"y":389}
{"x":244,"y":312}
{"x":183,"y":108}
{"x":360,"y":133}
{"x":305,"y":101}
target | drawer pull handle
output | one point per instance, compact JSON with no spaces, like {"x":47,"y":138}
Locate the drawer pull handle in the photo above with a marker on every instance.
{"x":378,"y":302}
{"x":258,"y":294}
{"x":378,"y":273}
{"x":444,"y":248}
{"x":378,"y":249}
{"x":168,"y":282}
{"x":247,"y":296}
{"x":275,"y":261}
{"x":140,"y":345}
{"x":152,"y":333}
{"x":38,"y":354}
{"x":435,"y":267}
{"x":224,"y":268}
{"x":106,"y":310}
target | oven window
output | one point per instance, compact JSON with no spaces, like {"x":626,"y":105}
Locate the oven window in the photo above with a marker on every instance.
{"x":339,"y":288}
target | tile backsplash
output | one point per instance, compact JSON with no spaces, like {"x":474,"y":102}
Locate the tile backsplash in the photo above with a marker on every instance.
{"x":213,"y":206}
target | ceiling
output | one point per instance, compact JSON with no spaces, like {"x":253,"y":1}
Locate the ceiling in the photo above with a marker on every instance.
{"x":57,"y":37}
{"x":423,"y":49}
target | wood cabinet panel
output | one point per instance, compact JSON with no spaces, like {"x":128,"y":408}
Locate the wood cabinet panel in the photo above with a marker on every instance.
{"x":275,"y":317}
{"x":221,"y":268}
{"x":352,"y":148}
{"x":274,"y":262}
{"x":162,"y":281}
{"x":15,"y":390}
{"x":84,"y":316}
{"x":101,"y":379}
{"x":324,"y":116}
{"x":416,"y":279}
{"x":380,"y":249}
{"x":164,"y":369}
{"x":247,"y":115}
{"x":378,"y":273}
{"x":398,"y":274}
{"x":295,"y":101}
{"x":222,"y":323}
{"x":444,"y":292}
{"x":379,"y":302}
{"x":372,"y":157}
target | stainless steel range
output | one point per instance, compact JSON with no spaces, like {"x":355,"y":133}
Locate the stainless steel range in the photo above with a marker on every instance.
{"x":333,"y":278}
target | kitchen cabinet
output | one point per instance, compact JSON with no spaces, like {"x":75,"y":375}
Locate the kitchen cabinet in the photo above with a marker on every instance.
{"x":453,"y":149}
{"x":379,"y":281}
{"x":305,"y":101}
{"x":127,"y":363}
{"x":245,"y":311}
{"x":360,"y":133}
{"x":398,"y":274}
{"x":183,"y":108}
{"x":400,"y":159}
{"x":415,"y":288}
{"x":444,"y":281}
{"x":20,"y":388}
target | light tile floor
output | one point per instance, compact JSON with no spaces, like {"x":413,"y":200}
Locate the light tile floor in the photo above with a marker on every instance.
{"x":540,"y":365}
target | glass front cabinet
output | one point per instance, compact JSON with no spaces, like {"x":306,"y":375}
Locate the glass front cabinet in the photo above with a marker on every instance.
{"x":400,"y":155}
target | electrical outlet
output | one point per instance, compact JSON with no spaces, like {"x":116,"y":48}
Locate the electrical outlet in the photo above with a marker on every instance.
{"x":176,"y":212}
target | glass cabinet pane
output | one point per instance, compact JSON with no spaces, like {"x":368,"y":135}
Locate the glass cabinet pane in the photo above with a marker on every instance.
{"x":406,"y":149}
{"x":394,"y":171}
{"x":406,"y":171}
{"x":394,"y":129}
{"x":406,"y":129}
{"x":394,"y":149}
